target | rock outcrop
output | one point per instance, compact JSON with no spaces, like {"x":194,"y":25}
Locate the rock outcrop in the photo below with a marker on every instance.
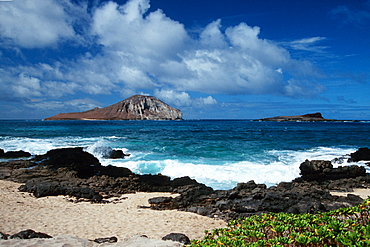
{"x":312,"y":117}
{"x":360,"y":154}
{"x":322,"y":170}
{"x":138,"y":107}
{"x":14,"y":154}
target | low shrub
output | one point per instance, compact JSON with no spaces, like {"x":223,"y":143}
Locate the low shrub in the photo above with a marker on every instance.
{"x":342,"y":227}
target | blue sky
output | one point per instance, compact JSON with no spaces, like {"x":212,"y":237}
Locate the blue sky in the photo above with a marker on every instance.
{"x":236,"y":59}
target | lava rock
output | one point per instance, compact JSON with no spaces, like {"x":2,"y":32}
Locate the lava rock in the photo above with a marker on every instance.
{"x":321,"y":170}
{"x":360,"y":154}
{"x":4,"y":236}
{"x":28,"y":234}
{"x":117,"y":154}
{"x":177,"y":237}
{"x":106,"y":240}
{"x":14,"y":154}
{"x":75,"y":159}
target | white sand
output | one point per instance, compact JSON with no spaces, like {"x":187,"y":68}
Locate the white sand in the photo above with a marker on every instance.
{"x":363,"y":193}
{"x":57,"y":216}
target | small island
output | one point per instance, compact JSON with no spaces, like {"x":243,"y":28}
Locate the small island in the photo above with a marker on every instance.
{"x":312,"y":117}
{"x":137,"y":107}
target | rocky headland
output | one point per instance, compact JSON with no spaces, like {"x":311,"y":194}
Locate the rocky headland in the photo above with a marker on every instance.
{"x":137,"y":107}
{"x":312,"y":117}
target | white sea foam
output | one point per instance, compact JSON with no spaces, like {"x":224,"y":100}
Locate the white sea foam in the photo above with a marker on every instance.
{"x":270,"y":167}
{"x":285,"y":167}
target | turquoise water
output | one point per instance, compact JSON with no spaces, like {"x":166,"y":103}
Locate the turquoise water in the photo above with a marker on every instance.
{"x":219,"y":153}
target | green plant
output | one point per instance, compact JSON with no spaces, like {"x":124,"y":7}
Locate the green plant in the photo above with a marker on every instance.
{"x":342,"y":227}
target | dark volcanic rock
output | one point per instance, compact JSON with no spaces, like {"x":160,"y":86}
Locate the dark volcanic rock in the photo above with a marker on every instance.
{"x":137,"y":107}
{"x":75,"y":159}
{"x":28,"y":234}
{"x":106,"y":240}
{"x":177,"y":237}
{"x":109,"y":153}
{"x":74,"y":172}
{"x":14,"y":154}
{"x":320,"y":170}
{"x":117,"y":154}
{"x":308,"y":194}
{"x":4,"y":236}
{"x":360,"y":154}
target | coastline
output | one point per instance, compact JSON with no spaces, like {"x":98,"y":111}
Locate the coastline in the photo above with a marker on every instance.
{"x":33,"y":202}
{"x":55,"y":215}
{"x":78,"y":223}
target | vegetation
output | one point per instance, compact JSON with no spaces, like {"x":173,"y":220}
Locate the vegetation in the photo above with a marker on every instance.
{"x":342,"y":227}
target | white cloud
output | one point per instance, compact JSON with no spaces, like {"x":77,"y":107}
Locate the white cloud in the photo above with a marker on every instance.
{"x":212,"y":36}
{"x":34,"y":23}
{"x":141,"y":50}
{"x":308,"y":44}
{"x":182,"y":98}
{"x":296,"y":88}
{"x":125,"y":29}
{"x":173,"y":97}
{"x":72,"y":105}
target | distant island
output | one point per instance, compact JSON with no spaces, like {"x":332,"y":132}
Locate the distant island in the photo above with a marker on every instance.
{"x":312,"y":117}
{"x":137,"y":107}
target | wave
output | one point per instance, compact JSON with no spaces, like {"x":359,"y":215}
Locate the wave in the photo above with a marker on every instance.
{"x":268,"y":167}
{"x":277,"y":166}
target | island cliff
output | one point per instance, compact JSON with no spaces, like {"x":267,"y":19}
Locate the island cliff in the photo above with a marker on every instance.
{"x":313,"y":117}
{"x":137,"y":107}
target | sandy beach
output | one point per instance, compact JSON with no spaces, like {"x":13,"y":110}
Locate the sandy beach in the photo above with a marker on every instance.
{"x":58,"y":216}
{"x":363,"y":193}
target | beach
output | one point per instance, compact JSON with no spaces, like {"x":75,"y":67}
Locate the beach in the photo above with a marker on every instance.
{"x":124,"y":219}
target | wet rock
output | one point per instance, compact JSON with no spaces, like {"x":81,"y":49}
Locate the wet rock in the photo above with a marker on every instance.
{"x":360,"y":154}
{"x":320,"y":170}
{"x":108,"y":152}
{"x":113,"y":171}
{"x":14,"y":154}
{"x":177,"y":237}
{"x":117,"y":154}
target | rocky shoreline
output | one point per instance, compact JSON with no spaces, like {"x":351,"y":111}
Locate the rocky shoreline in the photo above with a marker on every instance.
{"x":74,"y":172}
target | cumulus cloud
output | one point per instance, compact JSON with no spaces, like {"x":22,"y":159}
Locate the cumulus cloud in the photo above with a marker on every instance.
{"x":126,"y":29}
{"x":183,"y":98}
{"x":71,"y":105}
{"x":35,"y":23}
{"x":147,"y":51}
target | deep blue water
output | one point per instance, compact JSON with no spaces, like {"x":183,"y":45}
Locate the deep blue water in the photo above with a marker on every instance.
{"x":219,"y":153}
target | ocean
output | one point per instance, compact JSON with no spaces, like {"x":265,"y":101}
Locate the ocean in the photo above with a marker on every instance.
{"x":218,"y":153}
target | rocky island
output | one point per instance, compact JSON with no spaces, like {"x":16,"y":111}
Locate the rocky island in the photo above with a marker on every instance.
{"x":312,"y":117}
{"x":137,"y":107}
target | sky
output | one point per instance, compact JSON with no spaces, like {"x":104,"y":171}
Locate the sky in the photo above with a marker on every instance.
{"x":212,"y":59}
